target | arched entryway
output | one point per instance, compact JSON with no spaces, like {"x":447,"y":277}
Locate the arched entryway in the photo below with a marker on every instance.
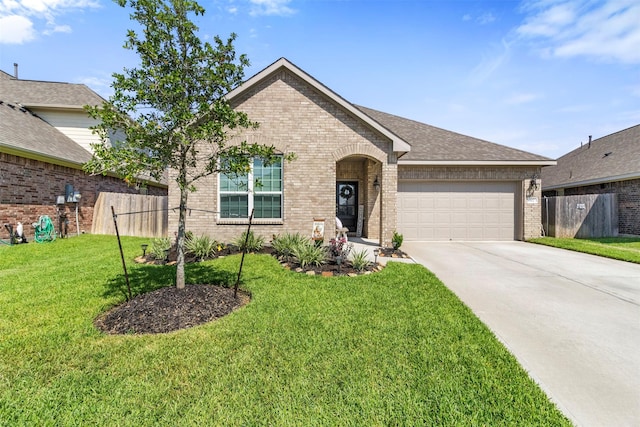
{"x":358,"y":202}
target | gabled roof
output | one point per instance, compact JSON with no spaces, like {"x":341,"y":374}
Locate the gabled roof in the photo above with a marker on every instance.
{"x":34,"y":93}
{"x":415,"y":142}
{"x":434,"y":146}
{"x":614,"y":157}
{"x":399,"y":145}
{"x":25,"y":134}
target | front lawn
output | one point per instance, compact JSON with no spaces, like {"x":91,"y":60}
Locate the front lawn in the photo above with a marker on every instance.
{"x":620,"y":248}
{"x":391,"y":348}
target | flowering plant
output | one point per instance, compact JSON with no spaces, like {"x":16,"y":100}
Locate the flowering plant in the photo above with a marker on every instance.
{"x":340,"y":248}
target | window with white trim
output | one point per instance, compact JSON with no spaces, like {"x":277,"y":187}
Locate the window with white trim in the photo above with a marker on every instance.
{"x":260,"y":190}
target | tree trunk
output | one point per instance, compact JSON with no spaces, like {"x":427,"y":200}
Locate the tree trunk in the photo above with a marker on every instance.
{"x":180,"y":239}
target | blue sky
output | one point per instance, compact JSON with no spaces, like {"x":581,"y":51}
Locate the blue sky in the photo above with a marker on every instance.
{"x":538,"y":75}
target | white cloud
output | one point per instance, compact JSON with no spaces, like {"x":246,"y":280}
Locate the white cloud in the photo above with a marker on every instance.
{"x":21,"y":19}
{"x":608,"y":30}
{"x":57,"y":29}
{"x":271,"y":7}
{"x":577,"y":108}
{"x":482,"y":19}
{"x":15,"y":29}
{"x":491,"y":63}
{"x":486,"y":18}
{"x":522,"y":98}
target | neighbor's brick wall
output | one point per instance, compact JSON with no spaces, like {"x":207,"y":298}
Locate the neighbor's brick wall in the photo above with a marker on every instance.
{"x":628,"y":201}
{"x":29,"y":188}
{"x":529,"y":217}
{"x":295,"y":118}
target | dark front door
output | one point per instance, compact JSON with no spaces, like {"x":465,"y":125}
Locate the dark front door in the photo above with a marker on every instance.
{"x":347,"y":203}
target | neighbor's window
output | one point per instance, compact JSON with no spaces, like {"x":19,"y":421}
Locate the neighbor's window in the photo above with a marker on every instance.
{"x":260,"y":190}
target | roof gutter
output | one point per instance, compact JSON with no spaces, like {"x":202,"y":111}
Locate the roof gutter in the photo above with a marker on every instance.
{"x":477,"y":162}
{"x":56,"y":106}
{"x":34,"y":155}
{"x":625,"y":177}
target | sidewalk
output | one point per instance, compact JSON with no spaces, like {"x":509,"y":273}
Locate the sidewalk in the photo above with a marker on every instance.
{"x":361,"y":243}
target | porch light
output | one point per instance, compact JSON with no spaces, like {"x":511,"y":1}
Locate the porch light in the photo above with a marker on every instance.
{"x":376,"y":183}
{"x":533,"y":184}
{"x":144,"y":249}
{"x":376,"y":252}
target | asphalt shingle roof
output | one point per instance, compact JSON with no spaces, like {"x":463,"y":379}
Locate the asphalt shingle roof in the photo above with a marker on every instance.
{"x":429,"y":143}
{"x":610,"y":158}
{"x":27,"y":132}
{"x":38,"y":93}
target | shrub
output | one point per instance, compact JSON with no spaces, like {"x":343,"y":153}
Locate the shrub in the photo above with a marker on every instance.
{"x":158,"y":246}
{"x":252,"y":243}
{"x":202,"y":247}
{"x":308,"y":253}
{"x":284,"y":244}
{"x":359,"y":260}
{"x":396,"y":240}
{"x":340,"y":247}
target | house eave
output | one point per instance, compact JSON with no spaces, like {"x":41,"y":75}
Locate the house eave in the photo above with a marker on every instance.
{"x":595,"y":181}
{"x":54,"y":106}
{"x":34,"y":155}
{"x":476,"y":162}
{"x":398,"y":144}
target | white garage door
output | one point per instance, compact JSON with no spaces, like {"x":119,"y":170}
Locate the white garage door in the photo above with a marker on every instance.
{"x":456,"y":210}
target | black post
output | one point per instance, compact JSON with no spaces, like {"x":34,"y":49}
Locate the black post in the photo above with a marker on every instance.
{"x":124,"y":265}
{"x":244,"y":251}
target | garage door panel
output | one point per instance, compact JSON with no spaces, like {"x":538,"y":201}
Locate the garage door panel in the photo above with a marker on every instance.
{"x":456,"y":210}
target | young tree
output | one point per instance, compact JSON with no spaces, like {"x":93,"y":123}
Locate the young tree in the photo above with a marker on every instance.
{"x":171,"y":111}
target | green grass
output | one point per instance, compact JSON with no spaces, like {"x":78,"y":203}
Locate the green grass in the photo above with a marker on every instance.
{"x":392,"y":348}
{"x":620,"y":248}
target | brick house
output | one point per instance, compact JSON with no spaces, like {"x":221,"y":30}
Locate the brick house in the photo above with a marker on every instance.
{"x":44,"y":140}
{"x":610,"y":164}
{"x":376,"y":172}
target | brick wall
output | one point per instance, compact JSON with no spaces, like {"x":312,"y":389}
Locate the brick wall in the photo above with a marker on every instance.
{"x":628,"y":201}
{"x":29,"y":188}
{"x":296,"y":118}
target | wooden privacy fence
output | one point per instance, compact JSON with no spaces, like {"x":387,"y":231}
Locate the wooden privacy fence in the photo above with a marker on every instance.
{"x":584,"y":216}
{"x":138,"y":215}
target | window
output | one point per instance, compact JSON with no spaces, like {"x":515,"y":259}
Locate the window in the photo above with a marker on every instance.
{"x":260,"y":190}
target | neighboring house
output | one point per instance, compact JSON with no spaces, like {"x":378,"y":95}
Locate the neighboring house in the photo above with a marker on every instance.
{"x":426,"y":183}
{"x":610,"y":164}
{"x":44,"y":140}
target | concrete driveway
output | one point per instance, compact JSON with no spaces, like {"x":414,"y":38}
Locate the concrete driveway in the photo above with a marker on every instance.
{"x":572,"y":320}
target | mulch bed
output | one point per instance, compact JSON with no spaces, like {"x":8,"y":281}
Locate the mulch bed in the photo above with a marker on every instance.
{"x":393,"y":253}
{"x":169,"y":309}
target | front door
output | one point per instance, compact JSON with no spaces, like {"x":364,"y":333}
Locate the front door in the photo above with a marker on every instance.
{"x":347,"y":203}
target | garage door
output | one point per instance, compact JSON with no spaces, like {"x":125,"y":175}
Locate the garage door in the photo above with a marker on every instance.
{"x":456,"y":210}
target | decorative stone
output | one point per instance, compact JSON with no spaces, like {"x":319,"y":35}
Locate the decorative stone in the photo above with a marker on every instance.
{"x":299,"y":270}
{"x":352,"y":275}
{"x":311,"y":273}
{"x":327,"y":273}
{"x":367,"y":272}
